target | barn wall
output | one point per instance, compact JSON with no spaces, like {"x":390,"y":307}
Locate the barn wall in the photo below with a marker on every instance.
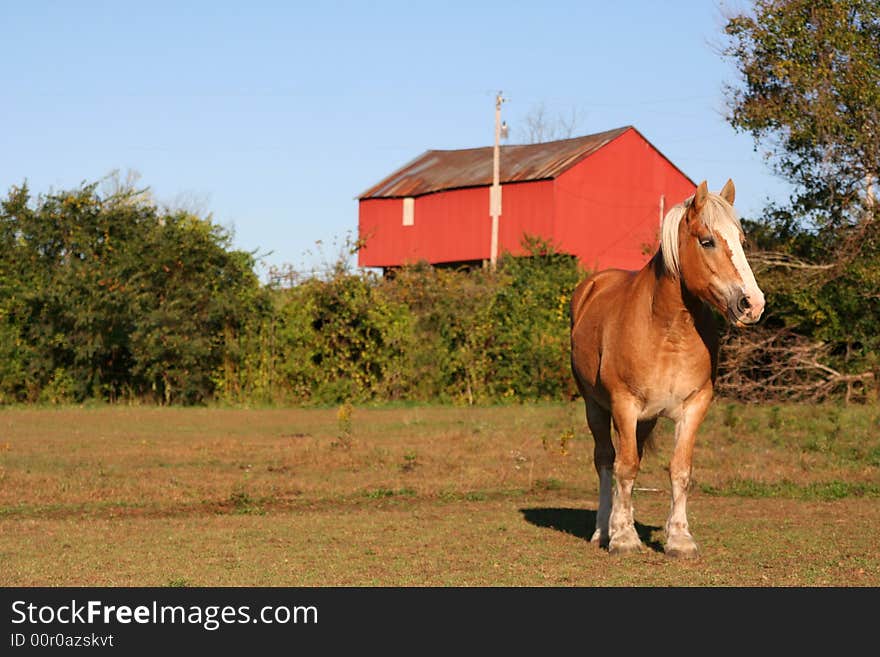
{"x":447,"y":227}
{"x":454,"y":225}
{"x":526,"y":208}
{"x":608,"y":205}
{"x":379,"y":227}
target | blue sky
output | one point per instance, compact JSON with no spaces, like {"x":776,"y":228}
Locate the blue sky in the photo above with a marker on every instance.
{"x":275,"y":116}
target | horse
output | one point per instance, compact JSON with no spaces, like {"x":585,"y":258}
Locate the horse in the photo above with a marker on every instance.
{"x":644,"y":344}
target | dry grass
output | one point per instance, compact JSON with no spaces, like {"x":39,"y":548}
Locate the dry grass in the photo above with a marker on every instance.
{"x":422,"y":496}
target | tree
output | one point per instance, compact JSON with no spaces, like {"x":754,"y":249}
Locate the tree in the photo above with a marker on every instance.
{"x":103,"y":296}
{"x":541,"y":127}
{"x":809,"y":93}
{"x":193,"y":296}
{"x":810,"y":90}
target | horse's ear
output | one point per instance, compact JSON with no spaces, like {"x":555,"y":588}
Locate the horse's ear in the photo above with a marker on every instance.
{"x":728,"y":192}
{"x":700,"y":197}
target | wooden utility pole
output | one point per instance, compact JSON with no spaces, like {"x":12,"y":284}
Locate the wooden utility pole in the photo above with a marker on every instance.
{"x":495,"y":191}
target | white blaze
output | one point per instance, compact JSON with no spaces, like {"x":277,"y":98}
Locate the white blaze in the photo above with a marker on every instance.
{"x":750,"y":288}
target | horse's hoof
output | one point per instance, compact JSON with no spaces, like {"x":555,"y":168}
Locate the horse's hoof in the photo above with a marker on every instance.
{"x":682,"y":549}
{"x":625,"y":546}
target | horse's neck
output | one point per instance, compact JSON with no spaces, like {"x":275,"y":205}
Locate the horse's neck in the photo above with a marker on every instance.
{"x":671,"y":303}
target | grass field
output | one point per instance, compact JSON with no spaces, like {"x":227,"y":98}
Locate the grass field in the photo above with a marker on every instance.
{"x":413,"y":496}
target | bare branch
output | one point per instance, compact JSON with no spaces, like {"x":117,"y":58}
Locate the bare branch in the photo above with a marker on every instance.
{"x":540,"y":127}
{"x":768,"y":259}
{"x":764,"y":365}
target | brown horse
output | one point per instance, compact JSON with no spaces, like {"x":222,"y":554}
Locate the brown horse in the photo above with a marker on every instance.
{"x":645,"y":344}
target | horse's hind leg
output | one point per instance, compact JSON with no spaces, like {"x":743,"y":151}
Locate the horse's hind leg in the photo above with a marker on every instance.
{"x":621,"y":526}
{"x":599,"y":420}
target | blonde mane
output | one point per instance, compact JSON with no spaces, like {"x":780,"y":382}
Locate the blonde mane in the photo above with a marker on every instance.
{"x":715,"y":212}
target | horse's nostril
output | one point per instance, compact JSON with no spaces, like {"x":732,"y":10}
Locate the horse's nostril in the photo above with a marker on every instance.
{"x":743,"y":304}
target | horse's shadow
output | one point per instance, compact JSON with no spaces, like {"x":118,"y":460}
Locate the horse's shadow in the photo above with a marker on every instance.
{"x":582,"y":523}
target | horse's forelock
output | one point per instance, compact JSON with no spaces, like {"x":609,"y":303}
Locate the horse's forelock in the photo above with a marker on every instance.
{"x":716,"y":212}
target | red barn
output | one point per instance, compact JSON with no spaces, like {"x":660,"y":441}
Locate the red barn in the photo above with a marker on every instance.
{"x":600,"y":197}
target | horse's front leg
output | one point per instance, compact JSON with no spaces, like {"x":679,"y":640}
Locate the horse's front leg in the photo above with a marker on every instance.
{"x":679,"y":542}
{"x":622,"y":530}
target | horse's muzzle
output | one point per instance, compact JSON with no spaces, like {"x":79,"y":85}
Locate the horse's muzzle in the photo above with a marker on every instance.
{"x":746,"y":309}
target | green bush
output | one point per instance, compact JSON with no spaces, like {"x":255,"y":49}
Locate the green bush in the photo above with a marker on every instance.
{"x":107,"y":296}
{"x":111,"y":297}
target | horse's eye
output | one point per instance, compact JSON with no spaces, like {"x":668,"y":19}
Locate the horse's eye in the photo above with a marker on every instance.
{"x":707,"y":242}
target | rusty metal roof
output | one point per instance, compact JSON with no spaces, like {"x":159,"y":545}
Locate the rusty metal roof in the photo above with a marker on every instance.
{"x":435,"y":171}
